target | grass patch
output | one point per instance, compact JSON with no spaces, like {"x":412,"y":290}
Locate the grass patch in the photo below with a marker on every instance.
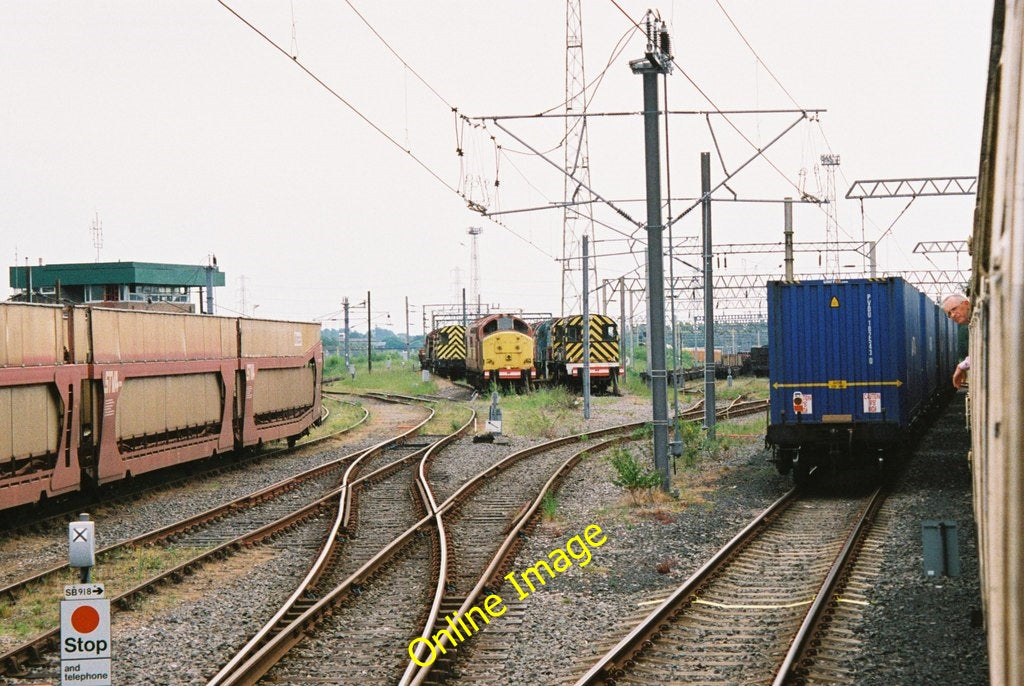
{"x":403,"y":378}
{"x":632,"y":384}
{"x":343,"y":415}
{"x":37,"y":609}
{"x":750,"y":386}
{"x":547,"y":413}
{"x":448,"y":418}
{"x":741,"y":431}
{"x":549,"y":507}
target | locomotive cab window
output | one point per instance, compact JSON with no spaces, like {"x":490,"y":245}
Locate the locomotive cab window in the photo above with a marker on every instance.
{"x":506,"y":324}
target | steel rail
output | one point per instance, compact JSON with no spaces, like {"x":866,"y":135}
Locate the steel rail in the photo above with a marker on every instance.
{"x":627,"y":648}
{"x":49,"y":640}
{"x":261,"y":658}
{"x":157,"y":535}
{"x":416,"y":674}
{"x":251,"y":458}
{"x":268,"y":630}
{"x":255,"y":660}
{"x":824,"y":598}
{"x":11,"y":661}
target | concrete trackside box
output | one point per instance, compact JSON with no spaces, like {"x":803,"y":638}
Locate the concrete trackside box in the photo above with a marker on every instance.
{"x":851,"y":353}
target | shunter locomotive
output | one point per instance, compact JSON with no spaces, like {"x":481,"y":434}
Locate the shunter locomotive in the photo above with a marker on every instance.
{"x":444,"y":351}
{"x":559,"y":351}
{"x":499,"y":349}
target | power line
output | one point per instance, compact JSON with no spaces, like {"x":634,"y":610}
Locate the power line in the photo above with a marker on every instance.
{"x":375,"y":127}
{"x":339,"y":97}
{"x":756,"y":56}
{"x":399,"y":57}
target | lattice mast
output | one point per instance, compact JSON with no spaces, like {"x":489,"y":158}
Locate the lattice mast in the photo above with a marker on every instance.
{"x":97,"y":235}
{"x":830,"y":162}
{"x":474,"y":266}
{"x":577,"y":216}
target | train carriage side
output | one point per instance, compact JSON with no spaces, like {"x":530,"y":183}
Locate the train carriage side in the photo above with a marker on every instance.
{"x":280,"y":370}
{"x":40,"y":387}
{"x":159,"y":390}
{"x":847,"y":370}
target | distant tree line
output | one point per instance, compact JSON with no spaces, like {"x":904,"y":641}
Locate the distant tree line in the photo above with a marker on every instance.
{"x":383,"y":339}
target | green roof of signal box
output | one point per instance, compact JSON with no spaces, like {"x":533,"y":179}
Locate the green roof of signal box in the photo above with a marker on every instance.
{"x":103,"y":273}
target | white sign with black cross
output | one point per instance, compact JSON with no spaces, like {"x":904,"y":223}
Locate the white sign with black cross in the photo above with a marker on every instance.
{"x":81,"y":544}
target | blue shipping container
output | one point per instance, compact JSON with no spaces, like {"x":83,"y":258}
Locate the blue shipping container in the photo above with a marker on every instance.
{"x":851,"y":364}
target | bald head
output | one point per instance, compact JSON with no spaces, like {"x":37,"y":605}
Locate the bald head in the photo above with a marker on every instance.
{"x":957,"y":308}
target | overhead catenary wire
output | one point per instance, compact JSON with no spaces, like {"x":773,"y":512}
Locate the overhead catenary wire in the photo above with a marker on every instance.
{"x":759,"y":150}
{"x":378,"y":129}
{"x":785,"y":90}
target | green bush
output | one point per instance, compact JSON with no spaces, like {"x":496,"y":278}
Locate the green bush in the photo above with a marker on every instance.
{"x":696,"y":443}
{"x":632,"y":474}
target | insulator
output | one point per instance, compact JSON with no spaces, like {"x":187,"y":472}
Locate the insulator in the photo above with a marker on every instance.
{"x":666,"y":43}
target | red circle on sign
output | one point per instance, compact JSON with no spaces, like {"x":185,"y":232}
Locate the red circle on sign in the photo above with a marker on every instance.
{"x":85,"y":619}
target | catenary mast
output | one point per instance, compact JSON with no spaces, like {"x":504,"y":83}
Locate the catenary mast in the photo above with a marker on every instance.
{"x":577,"y":216}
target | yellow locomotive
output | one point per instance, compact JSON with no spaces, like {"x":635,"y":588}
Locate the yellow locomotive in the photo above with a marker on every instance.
{"x":499,"y":349}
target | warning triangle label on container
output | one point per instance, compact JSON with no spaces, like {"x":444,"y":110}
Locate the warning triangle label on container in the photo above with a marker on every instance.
{"x":834,"y":302}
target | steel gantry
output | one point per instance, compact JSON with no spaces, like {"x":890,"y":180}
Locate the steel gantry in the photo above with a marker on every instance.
{"x":912,"y":188}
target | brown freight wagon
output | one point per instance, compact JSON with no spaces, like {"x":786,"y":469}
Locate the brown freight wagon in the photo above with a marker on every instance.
{"x":89,"y":396}
{"x":39,"y":382}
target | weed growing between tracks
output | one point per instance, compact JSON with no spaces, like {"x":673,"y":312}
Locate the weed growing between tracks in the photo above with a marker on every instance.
{"x":693,"y":474}
{"x":448,"y":418}
{"x":37,"y":609}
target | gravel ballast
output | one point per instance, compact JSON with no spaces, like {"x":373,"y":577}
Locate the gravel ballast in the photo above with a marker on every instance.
{"x":915,"y":629}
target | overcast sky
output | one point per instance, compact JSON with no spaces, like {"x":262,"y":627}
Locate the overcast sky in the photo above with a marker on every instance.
{"x":191,"y":135}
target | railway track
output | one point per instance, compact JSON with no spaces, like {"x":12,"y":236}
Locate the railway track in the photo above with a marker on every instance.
{"x":750,"y":613}
{"x":483,"y":553}
{"x":409,"y":548}
{"x":29,"y":520}
{"x":331,"y":581}
{"x":215,"y":533}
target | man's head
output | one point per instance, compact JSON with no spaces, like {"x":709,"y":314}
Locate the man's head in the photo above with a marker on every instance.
{"x":957,"y":308}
